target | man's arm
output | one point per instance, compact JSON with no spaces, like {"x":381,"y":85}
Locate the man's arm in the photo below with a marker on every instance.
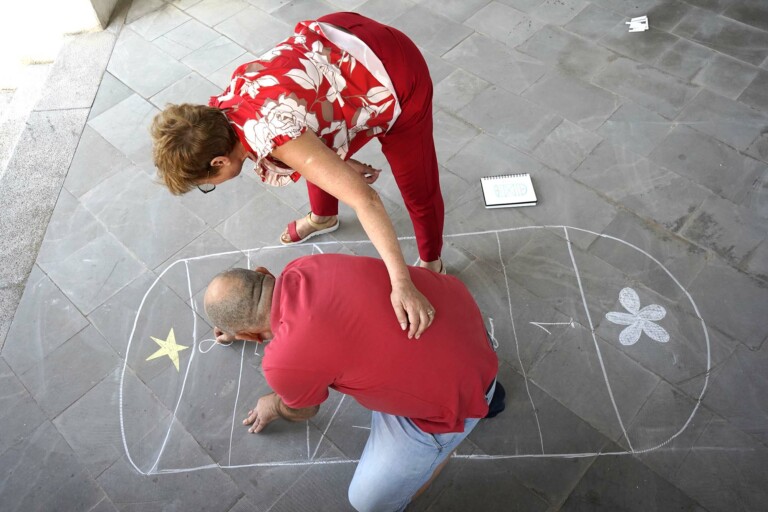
{"x":270,"y":407}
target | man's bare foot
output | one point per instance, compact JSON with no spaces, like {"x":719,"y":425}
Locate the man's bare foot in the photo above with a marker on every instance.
{"x":309,"y":226}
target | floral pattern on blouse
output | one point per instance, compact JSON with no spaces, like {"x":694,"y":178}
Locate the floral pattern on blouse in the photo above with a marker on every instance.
{"x":305,"y":83}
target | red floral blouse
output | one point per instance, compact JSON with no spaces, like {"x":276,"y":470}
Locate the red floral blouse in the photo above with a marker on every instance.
{"x":307,"y":82}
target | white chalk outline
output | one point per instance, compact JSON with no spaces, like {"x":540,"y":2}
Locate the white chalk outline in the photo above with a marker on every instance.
{"x":517,"y":344}
{"x":316,"y":247}
{"x":594,"y":339}
{"x":541,"y":325}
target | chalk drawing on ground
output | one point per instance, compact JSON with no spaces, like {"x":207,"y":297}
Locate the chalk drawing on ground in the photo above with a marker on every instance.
{"x":545,"y":300}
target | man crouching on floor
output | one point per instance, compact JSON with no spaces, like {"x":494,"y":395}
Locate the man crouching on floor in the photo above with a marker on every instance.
{"x":330,"y":326}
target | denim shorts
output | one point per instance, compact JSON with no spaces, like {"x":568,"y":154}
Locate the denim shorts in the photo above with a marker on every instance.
{"x":398,"y":459}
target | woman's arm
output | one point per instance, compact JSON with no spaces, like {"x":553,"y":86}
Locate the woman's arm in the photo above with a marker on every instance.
{"x":320,"y":165}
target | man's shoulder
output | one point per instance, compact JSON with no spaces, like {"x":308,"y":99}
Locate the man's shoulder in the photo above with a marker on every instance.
{"x":318,"y":261}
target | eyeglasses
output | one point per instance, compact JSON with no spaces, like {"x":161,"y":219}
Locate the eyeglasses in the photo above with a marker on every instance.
{"x":206,"y":187}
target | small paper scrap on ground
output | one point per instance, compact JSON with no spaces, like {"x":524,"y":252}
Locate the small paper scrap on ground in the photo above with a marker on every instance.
{"x":639,"y":24}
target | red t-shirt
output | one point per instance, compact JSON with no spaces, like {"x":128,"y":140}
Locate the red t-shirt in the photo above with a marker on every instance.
{"x":334,"y":327}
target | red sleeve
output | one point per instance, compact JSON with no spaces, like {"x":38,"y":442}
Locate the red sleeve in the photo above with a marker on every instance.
{"x":298,"y":388}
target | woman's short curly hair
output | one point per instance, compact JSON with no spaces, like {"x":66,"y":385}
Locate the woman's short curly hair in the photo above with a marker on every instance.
{"x":185,"y":139}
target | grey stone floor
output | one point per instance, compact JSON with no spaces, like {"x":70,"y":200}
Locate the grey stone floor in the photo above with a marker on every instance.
{"x":648,"y":151}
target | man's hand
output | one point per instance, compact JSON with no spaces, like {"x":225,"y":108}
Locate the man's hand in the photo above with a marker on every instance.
{"x":265,"y":412}
{"x":412,"y":308}
{"x":369,"y":173}
{"x":222,"y":337}
{"x":270,"y":407}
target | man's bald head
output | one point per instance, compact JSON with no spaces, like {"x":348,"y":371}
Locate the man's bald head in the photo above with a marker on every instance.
{"x":239,"y":300}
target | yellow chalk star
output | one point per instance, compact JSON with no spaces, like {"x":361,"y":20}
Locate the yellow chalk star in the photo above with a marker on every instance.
{"x":168,"y":347}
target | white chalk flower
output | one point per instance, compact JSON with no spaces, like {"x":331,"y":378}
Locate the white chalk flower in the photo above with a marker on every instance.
{"x":638,"y":320}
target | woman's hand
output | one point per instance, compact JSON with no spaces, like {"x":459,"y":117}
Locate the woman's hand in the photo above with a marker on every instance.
{"x":318,"y":164}
{"x":412,"y":308}
{"x":369,"y":173}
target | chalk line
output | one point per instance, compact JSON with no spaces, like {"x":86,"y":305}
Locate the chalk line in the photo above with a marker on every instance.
{"x":322,"y":436}
{"x":594,"y":338}
{"x":517,"y":343}
{"x":186,"y":371}
{"x":541,"y":325}
{"x":237,"y":398}
{"x":317,"y":246}
{"x":259,"y":465}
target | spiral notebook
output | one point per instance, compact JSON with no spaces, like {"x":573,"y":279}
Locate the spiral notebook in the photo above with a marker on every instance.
{"x":508,"y":190}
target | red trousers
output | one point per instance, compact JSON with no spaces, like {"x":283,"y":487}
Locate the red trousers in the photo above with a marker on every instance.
{"x":409,"y":145}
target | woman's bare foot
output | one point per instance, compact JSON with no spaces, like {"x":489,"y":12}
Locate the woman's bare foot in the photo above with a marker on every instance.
{"x":434,"y":266}
{"x":308,"y":225}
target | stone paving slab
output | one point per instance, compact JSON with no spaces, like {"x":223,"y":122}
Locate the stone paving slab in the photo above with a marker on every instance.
{"x":732,"y":306}
{"x":504,"y":23}
{"x":126,"y":125}
{"x":142,"y":66}
{"x":726,"y":76}
{"x":567,"y":52}
{"x":95,"y":437}
{"x":636,"y":128}
{"x":455,"y":497}
{"x":708,"y":162}
{"x":641,"y":186}
{"x":647,"y":86}
{"x":49,"y":382}
{"x":111,"y":91}
{"x":757,"y":262}
{"x":714,"y":225}
{"x":20,"y":413}
{"x":578,"y":101}
{"x":25,"y":347}
{"x":525,"y":129}
{"x":648,"y":153}
{"x":95,"y":160}
{"x":513,"y":70}
{"x":667,"y":409}
{"x":29,"y":485}
{"x":593,"y":22}
{"x":684,"y":59}
{"x":725,"y":469}
{"x":727,"y":120}
{"x":565,"y":147}
{"x":755,"y":94}
{"x":747,"y":412}
{"x":649,"y":489}
{"x":724,"y":35}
